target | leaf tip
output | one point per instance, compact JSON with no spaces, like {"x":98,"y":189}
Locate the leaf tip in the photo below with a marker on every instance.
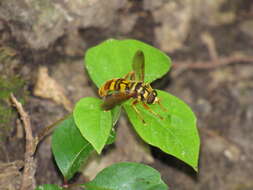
{"x":98,"y":150}
{"x":195,"y":168}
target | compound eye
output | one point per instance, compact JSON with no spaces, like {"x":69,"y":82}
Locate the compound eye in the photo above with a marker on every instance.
{"x":151,"y":99}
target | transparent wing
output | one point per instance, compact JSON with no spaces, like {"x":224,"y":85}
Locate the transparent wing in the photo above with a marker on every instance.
{"x":114,"y":99}
{"x":139,"y":65}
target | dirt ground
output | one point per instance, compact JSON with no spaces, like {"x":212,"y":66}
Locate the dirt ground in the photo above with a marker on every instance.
{"x":212,"y":72}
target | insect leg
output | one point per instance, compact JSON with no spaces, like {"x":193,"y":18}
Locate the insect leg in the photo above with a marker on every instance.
{"x":151,"y":111}
{"x":162,"y":107}
{"x":137,"y":111}
{"x":130,"y":75}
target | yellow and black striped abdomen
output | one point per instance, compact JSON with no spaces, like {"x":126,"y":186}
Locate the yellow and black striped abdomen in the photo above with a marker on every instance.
{"x":115,"y":85}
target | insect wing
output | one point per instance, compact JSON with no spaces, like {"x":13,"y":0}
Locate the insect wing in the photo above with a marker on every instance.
{"x":114,"y":99}
{"x":139,"y":65}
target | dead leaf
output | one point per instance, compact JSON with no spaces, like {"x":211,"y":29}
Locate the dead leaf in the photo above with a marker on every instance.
{"x":47,"y":87}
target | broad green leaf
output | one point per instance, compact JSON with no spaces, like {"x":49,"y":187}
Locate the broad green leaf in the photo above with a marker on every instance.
{"x":69,"y":147}
{"x":176,"y":134}
{"x":94,"y":123}
{"x":48,"y":187}
{"x":127,"y":176}
{"x":113,"y":59}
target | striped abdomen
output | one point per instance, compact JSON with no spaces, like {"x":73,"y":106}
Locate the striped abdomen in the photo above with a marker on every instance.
{"x":115,"y":85}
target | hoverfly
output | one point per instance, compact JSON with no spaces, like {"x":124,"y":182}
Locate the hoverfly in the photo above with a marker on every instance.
{"x":118,"y":90}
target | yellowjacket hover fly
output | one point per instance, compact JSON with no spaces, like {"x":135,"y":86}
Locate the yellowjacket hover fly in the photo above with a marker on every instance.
{"x":118,"y":90}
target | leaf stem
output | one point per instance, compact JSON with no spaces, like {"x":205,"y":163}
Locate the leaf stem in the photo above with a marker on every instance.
{"x":47,"y":130}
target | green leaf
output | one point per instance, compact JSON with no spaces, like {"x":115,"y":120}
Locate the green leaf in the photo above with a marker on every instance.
{"x":176,"y":134}
{"x":115,"y":114}
{"x":113,"y":59}
{"x":127,"y":176}
{"x":94,"y":123}
{"x":69,"y":147}
{"x":48,"y":187}
{"x":112,"y":137}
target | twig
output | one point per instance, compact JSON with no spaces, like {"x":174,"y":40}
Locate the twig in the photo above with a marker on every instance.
{"x":186,"y":65}
{"x":210,"y":64}
{"x":28,"y":180}
{"x":215,"y":60}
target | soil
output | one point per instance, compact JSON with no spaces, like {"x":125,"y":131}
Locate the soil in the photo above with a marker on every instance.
{"x":220,"y":96}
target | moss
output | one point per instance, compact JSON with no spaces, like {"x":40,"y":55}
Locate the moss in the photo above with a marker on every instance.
{"x":8,"y":85}
{"x":9,"y":82}
{"x":6,"y":116}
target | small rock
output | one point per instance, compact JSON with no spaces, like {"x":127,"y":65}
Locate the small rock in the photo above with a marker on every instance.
{"x":203,"y":107}
{"x":232,"y":153}
{"x":151,"y":4}
{"x":175,"y":22}
{"x":247,"y":27}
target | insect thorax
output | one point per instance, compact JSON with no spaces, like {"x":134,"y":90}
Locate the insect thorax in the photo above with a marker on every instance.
{"x":145,"y":93}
